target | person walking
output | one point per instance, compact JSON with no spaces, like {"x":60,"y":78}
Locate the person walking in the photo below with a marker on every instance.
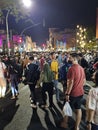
{"x":92,"y":106}
{"x":46,"y":77}
{"x":32,"y":74}
{"x":74,"y":92}
{"x":14,"y":70}
{"x":2,"y":79}
{"x":54,"y":67}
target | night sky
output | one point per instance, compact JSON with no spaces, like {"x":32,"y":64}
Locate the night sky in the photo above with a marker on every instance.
{"x":58,"y":14}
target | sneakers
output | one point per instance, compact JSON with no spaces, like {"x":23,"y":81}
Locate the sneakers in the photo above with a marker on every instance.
{"x":13,"y":97}
{"x":50,"y":106}
{"x":31,"y":101}
{"x":33,"y":106}
{"x":17,"y":94}
{"x":44,"y":106}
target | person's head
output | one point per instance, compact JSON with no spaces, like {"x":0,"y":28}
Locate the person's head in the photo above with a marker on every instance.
{"x":63,"y":54}
{"x":53,"y":55}
{"x":12,"y":60}
{"x":31,"y":59}
{"x":80,"y":56}
{"x":64,"y":60}
{"x":26,"y":56}
{"x":73,"y":57}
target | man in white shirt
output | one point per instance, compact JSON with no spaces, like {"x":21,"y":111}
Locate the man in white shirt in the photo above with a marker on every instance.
{"x":2,"y":79}
{"x":92,"y":106}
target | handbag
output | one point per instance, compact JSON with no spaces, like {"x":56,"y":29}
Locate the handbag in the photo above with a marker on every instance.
{"x":67,"y":109}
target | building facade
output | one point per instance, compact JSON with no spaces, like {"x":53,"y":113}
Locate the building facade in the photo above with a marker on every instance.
{"x":62,"y":38}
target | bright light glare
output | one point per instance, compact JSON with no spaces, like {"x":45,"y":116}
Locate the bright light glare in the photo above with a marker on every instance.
{"x":27,"y":3}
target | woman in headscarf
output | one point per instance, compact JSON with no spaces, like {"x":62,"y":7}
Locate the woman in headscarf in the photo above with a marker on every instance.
{"x":46,"y":77}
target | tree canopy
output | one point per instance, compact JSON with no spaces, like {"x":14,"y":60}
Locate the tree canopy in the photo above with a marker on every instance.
{"x":90,"y":33}
{"x":15,"y":7}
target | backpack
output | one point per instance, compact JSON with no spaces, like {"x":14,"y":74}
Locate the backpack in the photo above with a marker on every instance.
{"x":63,"y":72}
{"x":32,"y":73}
{"x":14,"y":69}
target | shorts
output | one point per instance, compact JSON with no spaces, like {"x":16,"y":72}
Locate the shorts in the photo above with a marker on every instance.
{"x":94,"y":127}
{"x":76,"y":102}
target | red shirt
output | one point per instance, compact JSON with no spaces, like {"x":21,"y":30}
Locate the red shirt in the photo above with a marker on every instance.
{"x":95,"y":66}
{"x":76,"y":73}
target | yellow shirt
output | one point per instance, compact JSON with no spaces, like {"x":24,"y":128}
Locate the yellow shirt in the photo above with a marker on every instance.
{"x":54,"y":68}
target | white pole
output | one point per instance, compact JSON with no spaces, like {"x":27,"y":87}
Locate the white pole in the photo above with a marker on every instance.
{"x":7,"y":32}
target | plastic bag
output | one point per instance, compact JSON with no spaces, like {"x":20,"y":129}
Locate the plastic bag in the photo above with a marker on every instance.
{"x":67,"y":109}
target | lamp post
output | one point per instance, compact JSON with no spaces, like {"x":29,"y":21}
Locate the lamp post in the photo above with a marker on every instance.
{"x":26,"y":3}
{"x":29,"y":28}
{"x":7,"y":32}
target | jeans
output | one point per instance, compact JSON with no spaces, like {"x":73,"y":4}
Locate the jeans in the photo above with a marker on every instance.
{"x":14,"y":84}
{"x":14,"y":91}
{"x":57,"y":90}
{"x":94,"y":127}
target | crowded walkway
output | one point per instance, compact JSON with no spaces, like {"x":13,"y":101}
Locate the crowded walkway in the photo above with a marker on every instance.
{"x":20,"y":82}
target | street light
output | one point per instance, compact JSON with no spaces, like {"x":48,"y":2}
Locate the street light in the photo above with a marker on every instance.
{"x":7,"y":31}
{"x":29,"y":28}
{"x":27,"y":3}
{"x":33,"y":25}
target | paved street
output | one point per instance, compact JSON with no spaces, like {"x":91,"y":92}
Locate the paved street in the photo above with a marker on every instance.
{"x":18,"y":115}
{"x":48,"y":40}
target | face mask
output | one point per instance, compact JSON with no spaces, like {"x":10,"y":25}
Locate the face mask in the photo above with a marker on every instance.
{"x":69,"y":61}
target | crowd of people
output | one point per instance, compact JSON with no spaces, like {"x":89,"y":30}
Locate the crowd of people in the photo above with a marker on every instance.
{"x":46,"y":70}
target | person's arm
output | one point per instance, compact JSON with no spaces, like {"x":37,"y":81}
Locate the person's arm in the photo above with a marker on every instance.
{"x":69,"y":88}
{"x":4,"y":66}
{"x":84,"y":82}
{"x":70,"y":82}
